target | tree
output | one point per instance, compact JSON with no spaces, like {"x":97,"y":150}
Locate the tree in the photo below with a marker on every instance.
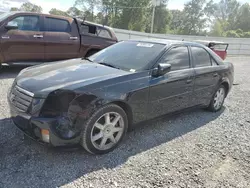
{"x":176,"y":21}
{"x":29,"y":7}
{"x":55,"y":11}
{"x":194,"y":20}
{"x":162,"y":18}
{"x":88,"y":5}
{"x":14,"y":9}
{"x":243,"y":18}
{"x":217,"y":29}
{"x":75,"y":12}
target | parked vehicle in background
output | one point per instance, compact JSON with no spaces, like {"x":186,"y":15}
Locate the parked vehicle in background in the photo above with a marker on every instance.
{"x":220,"y":48}
{"x":94,"y":101}
{"x":31,"y":38}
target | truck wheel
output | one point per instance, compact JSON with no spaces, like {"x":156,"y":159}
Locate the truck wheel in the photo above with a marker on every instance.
{"x":91,"y":52}
{"x":104,"y":130}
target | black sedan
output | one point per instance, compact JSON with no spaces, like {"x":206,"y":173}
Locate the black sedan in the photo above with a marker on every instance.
{"x":94,"y":101}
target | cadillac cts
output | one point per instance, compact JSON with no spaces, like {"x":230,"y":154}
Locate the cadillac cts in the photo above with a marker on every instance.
{"x":94,"y":101}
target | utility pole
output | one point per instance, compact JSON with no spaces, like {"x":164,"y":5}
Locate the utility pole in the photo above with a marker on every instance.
{"x":154,"y":3}
{"x":153,"y":19}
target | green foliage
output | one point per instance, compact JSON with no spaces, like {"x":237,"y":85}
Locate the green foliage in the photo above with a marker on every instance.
{"x":221,"y":18}
{"x":14,"y":9}
{"x":29,"y":7}
{"x":55,"y":11}
{"x":232,"y":33}
{"x":246,"y":34}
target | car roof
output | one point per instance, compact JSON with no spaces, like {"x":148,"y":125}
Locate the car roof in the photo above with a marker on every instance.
{"x":59,"y":16}
{"x":166,"y":41}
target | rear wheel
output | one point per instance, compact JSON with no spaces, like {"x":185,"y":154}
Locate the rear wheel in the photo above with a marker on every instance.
{"x":104,"y":130}
{"x":218,"y":99}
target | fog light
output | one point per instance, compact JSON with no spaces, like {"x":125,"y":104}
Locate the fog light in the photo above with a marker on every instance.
{"x":45,"y":135}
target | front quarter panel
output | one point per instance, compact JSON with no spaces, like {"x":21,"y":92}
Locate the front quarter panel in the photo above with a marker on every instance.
{"x":132,"y":93}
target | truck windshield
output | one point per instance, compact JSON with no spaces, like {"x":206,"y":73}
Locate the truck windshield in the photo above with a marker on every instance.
{"x":3,"y":16}
{"x":128,"y":55}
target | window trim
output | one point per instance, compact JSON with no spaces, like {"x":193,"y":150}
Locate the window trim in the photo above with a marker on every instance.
{"x":170,"y":48}
{"x":46,"y":25}
{"x":26,"y":15}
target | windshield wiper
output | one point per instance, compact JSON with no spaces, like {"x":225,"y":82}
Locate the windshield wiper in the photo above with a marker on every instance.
{"x":109,"y":65}
{"x":87,"y":58}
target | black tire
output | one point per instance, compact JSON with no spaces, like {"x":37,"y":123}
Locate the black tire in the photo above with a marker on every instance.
{"x":88,"y":127}
{"x":212,"y":107}
{"x":91,"y":52}
{"x":1,"y":66}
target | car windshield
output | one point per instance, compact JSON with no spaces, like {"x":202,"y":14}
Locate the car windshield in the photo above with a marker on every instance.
{"x":128,"y":55}
{"x":5,"y":15}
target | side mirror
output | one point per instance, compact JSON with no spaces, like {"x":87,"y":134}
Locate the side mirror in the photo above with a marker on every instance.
{"x":161,"y":69}
{"x":11,"y":25}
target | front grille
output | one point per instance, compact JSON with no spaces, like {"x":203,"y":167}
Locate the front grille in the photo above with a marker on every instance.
{"x":21,"y":98}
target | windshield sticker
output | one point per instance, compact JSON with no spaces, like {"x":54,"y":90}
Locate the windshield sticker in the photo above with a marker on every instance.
{"x":146,"y":45}
{"x":132,"y":70}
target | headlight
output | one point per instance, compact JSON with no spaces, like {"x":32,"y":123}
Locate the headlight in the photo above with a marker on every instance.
{"x":36,"y":106}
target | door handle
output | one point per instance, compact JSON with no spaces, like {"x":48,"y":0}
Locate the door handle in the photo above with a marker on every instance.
{"x":5,"y":37}
{"x":38,"y":36}
{"x":73,"y":38}
{"x":188,"y":81}
{"x":215,"y":74}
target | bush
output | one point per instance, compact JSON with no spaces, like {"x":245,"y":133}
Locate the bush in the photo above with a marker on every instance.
{"x":232,"y":33}
{"x":246,"y":34}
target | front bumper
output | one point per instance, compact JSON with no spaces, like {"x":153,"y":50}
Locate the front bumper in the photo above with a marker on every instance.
{"x":32,"y":126}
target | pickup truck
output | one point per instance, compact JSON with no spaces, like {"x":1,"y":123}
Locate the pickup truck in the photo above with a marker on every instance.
{"x":33,"y":38}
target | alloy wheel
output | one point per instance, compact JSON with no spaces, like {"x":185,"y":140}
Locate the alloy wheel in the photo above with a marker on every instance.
{"x":107,"y":131}
{"x":219,"y":98}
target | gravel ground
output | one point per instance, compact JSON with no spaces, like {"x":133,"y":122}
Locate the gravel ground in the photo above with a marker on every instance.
{"x":192,"y":149}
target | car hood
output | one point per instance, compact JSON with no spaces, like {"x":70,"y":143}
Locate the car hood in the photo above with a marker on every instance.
{"x":43,"y":79}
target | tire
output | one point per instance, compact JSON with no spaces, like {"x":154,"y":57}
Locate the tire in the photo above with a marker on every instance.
{"x":1,"y":66}
{"x":100,"y":137}
{"x":91,"y":52}
{"x":218,"y":99}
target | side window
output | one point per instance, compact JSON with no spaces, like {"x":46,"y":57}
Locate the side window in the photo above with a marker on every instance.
{"x":57,"y":25}
{"x":26,"y":23}
{"x":201,"y":57}
{"x":178,"y":57}
{"x":88,"y":29}
{"x":103,"y":33}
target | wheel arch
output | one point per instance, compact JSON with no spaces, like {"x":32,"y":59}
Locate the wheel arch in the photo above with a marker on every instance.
{"x":127,"y":109}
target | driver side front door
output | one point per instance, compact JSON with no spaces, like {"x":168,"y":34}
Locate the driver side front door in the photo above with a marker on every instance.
{"x":172,"y":91}
{"x":25,"y":44}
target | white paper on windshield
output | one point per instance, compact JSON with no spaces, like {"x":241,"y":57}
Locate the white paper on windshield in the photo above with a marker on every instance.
{"x":132,"y":70}
{"x":146,"y":45}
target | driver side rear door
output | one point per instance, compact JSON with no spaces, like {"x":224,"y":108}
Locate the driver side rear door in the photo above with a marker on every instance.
{"x":171,"y":92}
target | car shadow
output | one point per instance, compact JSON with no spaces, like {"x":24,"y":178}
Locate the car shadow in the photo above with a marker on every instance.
{"x":8,"y":72}
{"x":25,"y":163}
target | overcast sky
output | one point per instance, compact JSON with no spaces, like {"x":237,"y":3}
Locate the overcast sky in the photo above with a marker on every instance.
{"x":65,"y":4}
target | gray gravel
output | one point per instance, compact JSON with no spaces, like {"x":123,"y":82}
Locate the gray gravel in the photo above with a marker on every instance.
{"x":192,"y":149}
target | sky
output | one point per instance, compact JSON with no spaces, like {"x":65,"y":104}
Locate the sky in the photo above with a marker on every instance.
{"x":5,"y":5}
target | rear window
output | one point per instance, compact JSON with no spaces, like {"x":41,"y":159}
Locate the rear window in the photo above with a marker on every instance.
{"x":57,"y":25}
{"x":129,"y":55}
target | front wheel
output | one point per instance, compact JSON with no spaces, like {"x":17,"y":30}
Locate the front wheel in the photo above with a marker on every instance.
{"x":218,"y":99}
{"x":104,"y":130}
